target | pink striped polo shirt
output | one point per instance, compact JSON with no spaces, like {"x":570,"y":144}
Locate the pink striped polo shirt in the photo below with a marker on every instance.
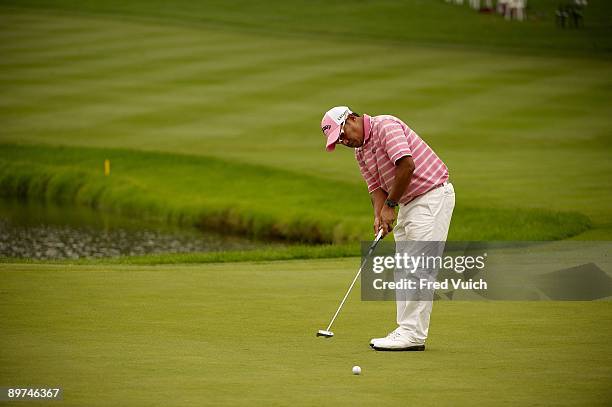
{"x":387,"y":139}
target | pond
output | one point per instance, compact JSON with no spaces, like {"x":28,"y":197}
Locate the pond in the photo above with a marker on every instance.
{"x":47,"y":231}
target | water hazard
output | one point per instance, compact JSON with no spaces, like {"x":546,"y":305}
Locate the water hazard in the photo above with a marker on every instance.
{"x":31,"y":230}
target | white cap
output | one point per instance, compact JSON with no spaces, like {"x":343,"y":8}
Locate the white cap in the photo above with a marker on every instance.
{"x":331,"y":124}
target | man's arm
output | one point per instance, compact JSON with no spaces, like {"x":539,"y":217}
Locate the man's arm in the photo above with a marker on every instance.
{"x":404,"y":167}
{"x":378,"y":197}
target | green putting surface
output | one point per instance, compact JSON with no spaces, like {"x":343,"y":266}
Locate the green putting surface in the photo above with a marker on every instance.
{"x":244,"y":334}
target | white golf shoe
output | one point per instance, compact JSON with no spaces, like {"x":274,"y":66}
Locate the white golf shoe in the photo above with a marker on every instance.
{"x":396,"y":341}
{"x":391,"y":335}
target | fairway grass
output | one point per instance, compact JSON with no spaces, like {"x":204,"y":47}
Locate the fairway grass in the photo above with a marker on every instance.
{"x":518,"y":132}
{"x":526,"y":137}
{"x":431,"y":22}
{"x":244,"y":334}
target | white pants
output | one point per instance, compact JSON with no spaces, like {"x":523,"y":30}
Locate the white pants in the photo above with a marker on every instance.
{"x":426,"y":218}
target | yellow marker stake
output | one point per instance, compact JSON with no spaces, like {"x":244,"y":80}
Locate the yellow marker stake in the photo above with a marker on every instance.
{"x":107,"y":167}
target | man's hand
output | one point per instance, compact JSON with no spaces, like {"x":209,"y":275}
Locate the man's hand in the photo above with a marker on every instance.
{"x":387,"y":218}
{"x":378,"y":197}
{"x":377,"y":224}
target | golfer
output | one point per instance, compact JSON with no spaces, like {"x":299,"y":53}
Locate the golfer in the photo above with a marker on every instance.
{"x":401,"y":171}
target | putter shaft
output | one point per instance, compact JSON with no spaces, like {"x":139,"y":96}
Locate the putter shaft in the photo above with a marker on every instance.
{"x":370,"y":250}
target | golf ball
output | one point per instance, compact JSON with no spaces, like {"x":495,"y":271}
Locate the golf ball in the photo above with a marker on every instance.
{"x":356,"y":370}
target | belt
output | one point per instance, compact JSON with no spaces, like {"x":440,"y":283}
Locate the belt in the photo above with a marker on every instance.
{"x":445,"y":183}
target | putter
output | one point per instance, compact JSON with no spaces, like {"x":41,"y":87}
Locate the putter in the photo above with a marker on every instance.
{"x":326,"y":333}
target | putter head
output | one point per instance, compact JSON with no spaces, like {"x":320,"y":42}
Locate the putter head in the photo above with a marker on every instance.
{"x":325,"y":334}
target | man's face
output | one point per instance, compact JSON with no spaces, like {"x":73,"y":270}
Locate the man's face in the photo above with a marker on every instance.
{"x":352,"y":133}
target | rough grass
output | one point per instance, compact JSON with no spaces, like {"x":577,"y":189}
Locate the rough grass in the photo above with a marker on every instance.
{"x":206,"y":191}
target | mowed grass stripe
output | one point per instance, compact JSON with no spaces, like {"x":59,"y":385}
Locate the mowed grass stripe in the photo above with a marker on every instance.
{"x":507,"y":101}
{"x":371,"y":89}
{"x":92,"y":52}
{"x":114,"y":57}
{"x":29,"y":25}
{"x":70,"y":114}
{"x":165,"y":63}
{"x":311,"y":77}
{"x":112,"y":90}
{"x":251,"y":82}
{"x":437,"y":95}
{"x":187,"y":52}
{"x":68,"y":33}
{"x":81,"y":36}
{"x":541,"y":124}
{"x":421,"y":88}
{"x":134,"y":75}
{"x":424,"y":93}
{"x":99,"y":82}
{"x":426,"y":90}
{"x":232,"y":97}
{"x":242,"y":85}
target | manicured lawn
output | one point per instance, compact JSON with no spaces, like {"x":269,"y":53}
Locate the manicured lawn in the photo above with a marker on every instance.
{"x":431,"y":22}
{"x":209,"y":113}
{"x":243,"y":334}
{"x":519,"y":132}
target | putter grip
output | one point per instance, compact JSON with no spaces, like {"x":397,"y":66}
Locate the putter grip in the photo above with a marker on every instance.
{"x":375,"y":242}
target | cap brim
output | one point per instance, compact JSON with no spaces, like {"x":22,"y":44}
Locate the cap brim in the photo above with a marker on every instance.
{"x":332,"y":139}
